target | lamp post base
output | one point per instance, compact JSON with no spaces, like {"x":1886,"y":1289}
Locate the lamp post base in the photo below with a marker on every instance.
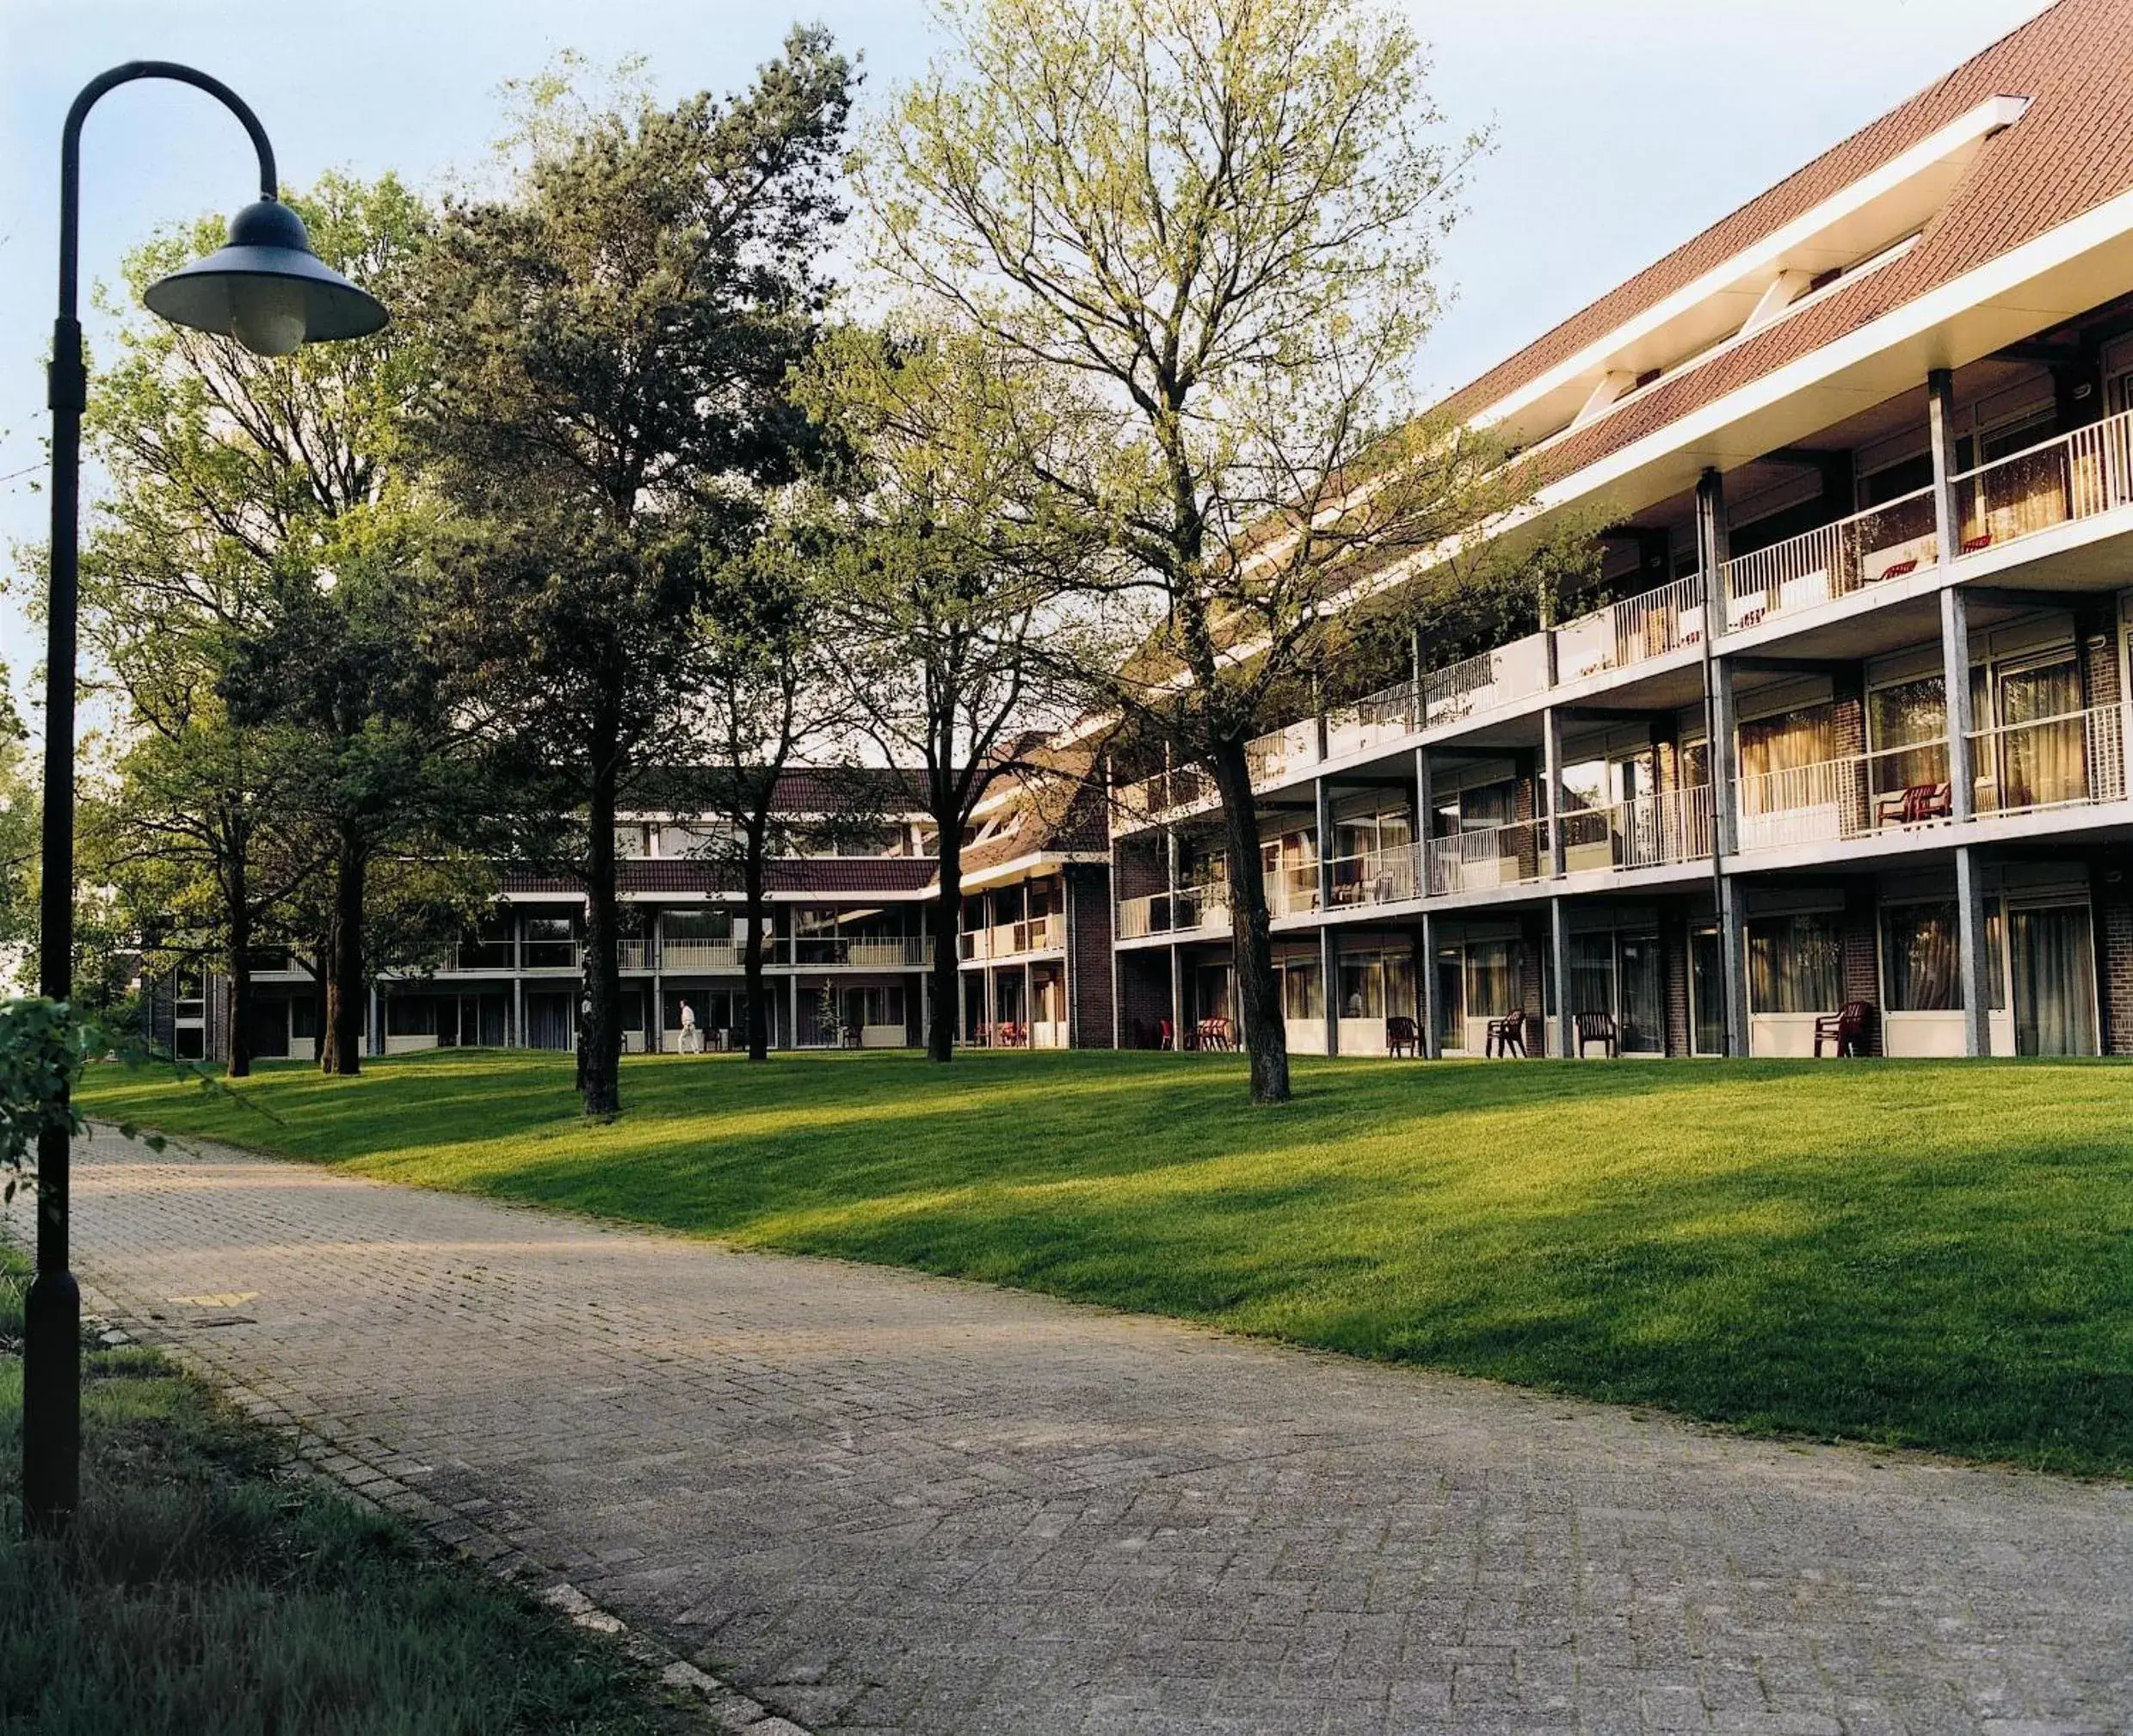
{"x":51,"y":1402}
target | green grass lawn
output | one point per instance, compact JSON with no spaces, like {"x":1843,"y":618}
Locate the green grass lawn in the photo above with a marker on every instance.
{"x":1929,"y":1254}
{"x":202,"y":1593}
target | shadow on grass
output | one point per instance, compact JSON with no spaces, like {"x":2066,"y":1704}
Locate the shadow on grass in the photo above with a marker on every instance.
{"x":1918,"y":1253}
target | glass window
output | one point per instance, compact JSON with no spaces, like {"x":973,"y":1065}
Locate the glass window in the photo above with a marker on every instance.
{"x":2055,"y":982}
{"x":1592,"y":973}
{"x":1805,"y":737}
{"x":1707,"y":992}
{"x":1400,"y":1001}
{"x":1921,"y":953}
{"x":1303,"y":990}
{"x":1451,"y":999}
{"x":1907,"y":727}
{"x":1362,"y":988}
{"x":411,"y":1015}
{"x":1492,"y":989}
{"x":1795,"y":964}
{"x":2042,"y":740}
{"x":303,"y":1017}
{"x":550,"y":943}
{"x":1642,"y":1012}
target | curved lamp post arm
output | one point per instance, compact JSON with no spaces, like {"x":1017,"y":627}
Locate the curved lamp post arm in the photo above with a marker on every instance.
{"x":71,"y":150}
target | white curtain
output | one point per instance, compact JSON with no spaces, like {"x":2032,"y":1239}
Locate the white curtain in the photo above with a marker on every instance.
{"x":2055,"y":982}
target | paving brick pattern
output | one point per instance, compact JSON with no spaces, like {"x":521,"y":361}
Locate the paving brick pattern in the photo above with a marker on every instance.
{"x":879,"y":1502}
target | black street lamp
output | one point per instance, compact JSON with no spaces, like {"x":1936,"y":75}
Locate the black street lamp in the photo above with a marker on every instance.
{"x":268,"y":291}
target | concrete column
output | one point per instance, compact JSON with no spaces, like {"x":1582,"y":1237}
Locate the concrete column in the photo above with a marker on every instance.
{"x":376,"y":1035}
{"x":1940,"y":439}
{"x":1559,"y":951}
{"x":1725,"y":758}
{"x":926,"y":1006}
{"x":1177,"y":999}
{"x":656,"y":1028}
{"x":792,"y":1010}
{"x":518,"y":1011}
{"x":1329,"y":973}
{"x":1425,"y":820}
{"x":1425,"y":989}
{"x":1733,"y":961}
{"x":1973,"y":953}
{"x":1552,"y":760}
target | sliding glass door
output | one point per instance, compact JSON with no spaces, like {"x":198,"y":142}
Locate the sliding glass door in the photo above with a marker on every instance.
{"x":2053,"y":968}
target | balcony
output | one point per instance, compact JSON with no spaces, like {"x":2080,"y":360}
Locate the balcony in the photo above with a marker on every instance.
{"x":1189,"y":910}
{"x":636,"y":955}
{"x":2072,"y":761}
{"x":1376,"y":877}
{"x":1664,"y":830}
{"x":856,"y":952}
{"x":2082,"y":475}
{"x":708,"y":957}
{"x":1887,"y":541}
{"x":1014,"y":940}
{"x":1634,"y":631}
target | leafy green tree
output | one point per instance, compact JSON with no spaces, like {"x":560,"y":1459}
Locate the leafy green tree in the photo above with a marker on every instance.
{"x":955,"y":585}
{"x":611,"y":347}
{"x":768,"y":699}
{"x":240,"y":485}
{"x":1218,"y":216}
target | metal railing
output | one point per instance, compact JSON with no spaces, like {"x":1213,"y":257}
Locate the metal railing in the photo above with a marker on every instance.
{"x":1377,"y":876}
{"x":855,"y":952}
{"x":1651,"y":625}
{"x":717,"y":957}
{"x":636,"y":955}
{"x":2075,"y":759}
{"x":1291,"y":891}
{"x":1275,"y":755}
{"x":1187,"y":911}
{"x":2076,"y":476}
{"x":1375,"y":721}
{"x":1012,"y":939}
{"x":1487,"y":857}
{"x":1883,"y":542}
{"x":1500,"y":677}
{"x":1660,"y":830}
{"x":1851,"y":796}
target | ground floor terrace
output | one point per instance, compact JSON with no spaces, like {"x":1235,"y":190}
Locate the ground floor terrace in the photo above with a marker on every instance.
{"x":1650,"y":973}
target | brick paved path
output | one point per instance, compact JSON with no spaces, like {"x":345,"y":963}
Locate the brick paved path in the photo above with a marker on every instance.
{"x":881,"y":1502}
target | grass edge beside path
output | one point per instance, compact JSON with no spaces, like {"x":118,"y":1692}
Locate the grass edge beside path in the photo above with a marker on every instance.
{"x":1919,"y":1255}
{"x":207,"y":1588}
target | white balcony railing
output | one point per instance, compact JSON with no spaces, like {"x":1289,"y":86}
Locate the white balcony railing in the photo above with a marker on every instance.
{"x":1662,"y":830}
{"x":1013,"y":939}
{"x":855,"y":952}
{"x":2077,"y":759}
{"x":1189,"y":910}
{"x":1633,"y":631}
{"x":1377,"y":876}
{"x":712,"y":958}
{"x":1488,"y":857}
{"x":635,"y":955}
{"x":1884,"y":542}
{"x":1280,"y":753}
{"x":1291,"y":891}
{"x":1500,"y":677}
{"x":1379,"y":721}
{"x":2076,"y":476}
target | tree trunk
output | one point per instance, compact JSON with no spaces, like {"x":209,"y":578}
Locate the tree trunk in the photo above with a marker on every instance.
{"x":341,"y":1038}
{"x":240,"y":920}
{"x":1258,"y":989}
{"x":945,"y":919}
{"x":600,"y":1038}
{"x":756,"y":907}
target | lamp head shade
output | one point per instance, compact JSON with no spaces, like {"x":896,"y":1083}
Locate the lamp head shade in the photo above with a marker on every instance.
{"x":265,"y":288}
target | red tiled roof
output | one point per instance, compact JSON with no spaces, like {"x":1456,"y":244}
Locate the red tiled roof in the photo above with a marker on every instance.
{"x":2070,"y":151}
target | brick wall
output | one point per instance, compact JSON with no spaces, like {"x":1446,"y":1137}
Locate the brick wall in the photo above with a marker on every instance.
{"x":1861,"y":966}
{"x":1144,"y":995}
{"x":1089,"y":959}
{"x":2111,"y":893}
{"x":1673,"y":954}
{"x":2098,"y":628}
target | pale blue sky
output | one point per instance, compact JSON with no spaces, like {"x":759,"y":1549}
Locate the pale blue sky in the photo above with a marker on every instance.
{"x":1624,"y":127}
